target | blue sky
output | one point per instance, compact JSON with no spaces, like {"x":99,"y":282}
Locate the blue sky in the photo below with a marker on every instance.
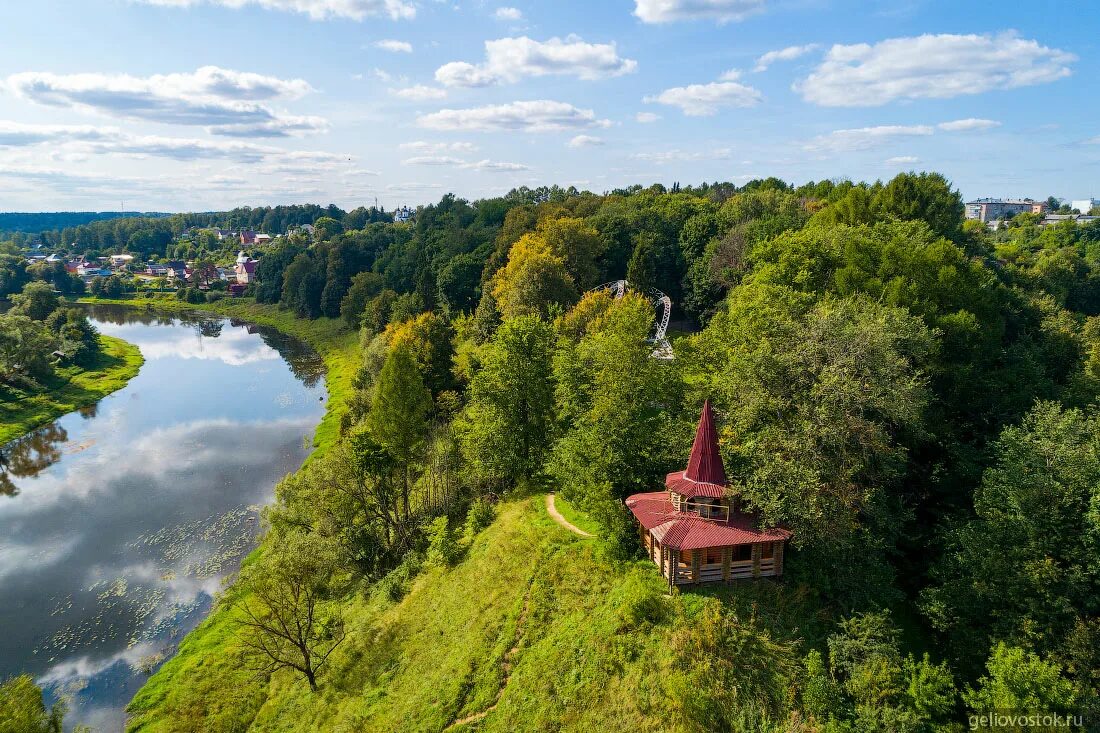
{"x":208,"y":104}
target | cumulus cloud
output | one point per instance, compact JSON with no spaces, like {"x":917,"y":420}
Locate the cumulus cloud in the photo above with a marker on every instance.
{"x":722,"y":11}
{"x":507,"y":60}
{"x":790,"y":53}
{"x":902,"y":160}
{"x":585,"y":141}
{"x":701,"y":100}
{"x":970,"y":124}
{"x":540,"y":115}
{"x":227,"y":102}
{"x":389,"y":44}
{"x":419,"y":93}
{"x":315,"y":9}
{"x":646,"y":117}
{"x":930,"y":67}
{"x":512,"y":14}
{"x":863,"y":138}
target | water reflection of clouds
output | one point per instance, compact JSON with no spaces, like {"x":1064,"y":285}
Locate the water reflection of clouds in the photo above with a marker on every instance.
{"x":235,"y":347}
{"x":131,"y":540}
{"x":168,"y":456}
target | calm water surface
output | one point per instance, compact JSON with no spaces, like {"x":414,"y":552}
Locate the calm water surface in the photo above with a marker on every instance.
{"x":119,"y":522}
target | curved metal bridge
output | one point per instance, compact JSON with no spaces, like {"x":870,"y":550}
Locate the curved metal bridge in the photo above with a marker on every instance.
{"x":662,"y":349}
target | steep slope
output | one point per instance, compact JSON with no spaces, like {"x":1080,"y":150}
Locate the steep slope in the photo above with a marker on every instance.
{"x":531,"y":630}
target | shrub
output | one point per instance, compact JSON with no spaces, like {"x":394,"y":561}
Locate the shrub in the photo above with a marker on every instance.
{"x":442,"y":543}
{"x":479,"y":517}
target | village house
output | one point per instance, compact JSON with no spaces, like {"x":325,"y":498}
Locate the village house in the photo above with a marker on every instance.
{"x":245,"y":268}
{"x":695,"y":531}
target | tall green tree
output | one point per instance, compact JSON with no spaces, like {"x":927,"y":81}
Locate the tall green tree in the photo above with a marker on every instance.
{"x":1024,"y":569}
{"x":619,"y":409}
{"x":283,"y":604}
{"x":506,"y":428}
{"x":924,"y":196}
{"x":37,"y":301}
{"x":816,"y":396}
{"x":398,"y":417}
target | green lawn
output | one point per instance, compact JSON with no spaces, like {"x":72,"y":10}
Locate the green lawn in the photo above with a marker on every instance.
{"x":575,"y":516}
{"x":69,"y":389}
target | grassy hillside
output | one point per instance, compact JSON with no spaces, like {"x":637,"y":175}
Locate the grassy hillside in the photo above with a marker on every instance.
{"x":70,"y":388}
{"x":532,"y":630}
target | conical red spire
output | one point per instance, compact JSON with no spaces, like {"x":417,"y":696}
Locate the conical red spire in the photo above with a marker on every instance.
{"x":705,"y":464}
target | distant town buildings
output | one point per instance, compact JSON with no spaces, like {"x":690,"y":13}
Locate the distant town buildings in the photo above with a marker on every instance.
{"x":403,"y":215}
{"x":1059,"y":218}
{"x":990,"y":209}
{"x":245,"y":268}
{"x":1084,"y":205}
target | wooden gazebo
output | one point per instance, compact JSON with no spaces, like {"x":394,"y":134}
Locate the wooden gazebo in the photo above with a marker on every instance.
{"x":695,"y":531}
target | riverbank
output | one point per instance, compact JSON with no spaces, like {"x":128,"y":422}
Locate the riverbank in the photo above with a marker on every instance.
{"x":200,"y":656}
{"x":334,"y":342}
{"x":69,"y":389}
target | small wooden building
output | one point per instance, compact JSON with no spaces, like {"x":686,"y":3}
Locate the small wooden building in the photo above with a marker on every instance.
{"x":695,"y":531}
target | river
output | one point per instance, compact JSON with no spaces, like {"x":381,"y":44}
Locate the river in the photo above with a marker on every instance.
{"x":119,"y":522}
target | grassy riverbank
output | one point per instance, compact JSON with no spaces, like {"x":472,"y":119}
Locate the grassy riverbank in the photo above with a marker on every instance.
{"x":70,"y":388}
{"x":201,"y":668}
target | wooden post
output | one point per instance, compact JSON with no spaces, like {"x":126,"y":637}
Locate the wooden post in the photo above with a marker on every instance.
{"x":726,"y":553}
{"x":673,"y":561}
{"x":756,"y":553}
{"x":778,"y":554}
{"x":695,"y":566}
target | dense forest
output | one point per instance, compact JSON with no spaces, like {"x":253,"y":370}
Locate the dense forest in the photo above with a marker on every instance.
{"x":912,"y":395}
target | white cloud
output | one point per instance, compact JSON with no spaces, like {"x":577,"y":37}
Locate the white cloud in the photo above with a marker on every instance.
{"x":491,"y":166}
{"x":541,"y":115}
{"x":433,"y":160}
{"x":722,"y":11}
{"x":87,"y":139}
{"x":930,"y":67}
{"x":863,"y":138}
{"x":700,"y":100}
{"x":507,"y":60}
{"x":227,"y":102}
{"x":419,"y":93}
{"x":585,"y":141}
{"x":970,"y":124}
{"x":902,"y":160}
{"x":389,"y":44}
{"x":423,"y":146}
{"x":15,"y":134}
{"x":790,"y":53}
{"x":646,"y":117}
{"x":680,"y":156}
{"x":512,"y":14}
{"x":315,"y":9}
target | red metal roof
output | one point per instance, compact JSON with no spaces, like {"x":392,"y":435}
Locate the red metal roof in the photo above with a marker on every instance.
{"x":705,"y":464}
{"x":681,"y":484}
{"x":686,"y":531}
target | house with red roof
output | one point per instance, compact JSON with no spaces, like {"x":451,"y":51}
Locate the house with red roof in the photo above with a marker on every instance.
{"x":695,"y":531}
